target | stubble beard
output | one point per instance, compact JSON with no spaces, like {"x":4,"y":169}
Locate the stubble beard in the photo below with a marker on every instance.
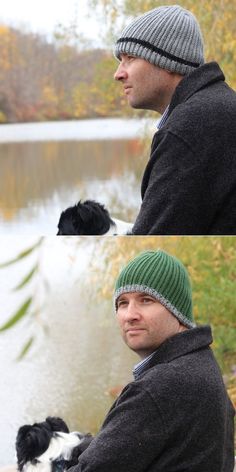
{"x":143,"y":103}
{"x":142,"y":347}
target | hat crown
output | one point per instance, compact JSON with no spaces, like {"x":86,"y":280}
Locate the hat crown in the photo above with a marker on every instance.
{"x":168,"y":36}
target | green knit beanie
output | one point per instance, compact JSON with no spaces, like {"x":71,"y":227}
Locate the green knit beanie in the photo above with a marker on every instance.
{"x":163,"y":277}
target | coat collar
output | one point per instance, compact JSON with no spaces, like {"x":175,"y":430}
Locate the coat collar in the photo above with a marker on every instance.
{"x":196,"y":80}
{"x":182,"y":343}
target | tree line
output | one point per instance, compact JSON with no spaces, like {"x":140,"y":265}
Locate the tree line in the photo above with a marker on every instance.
{"x":44,"y":80}
{"x":60,"y":79}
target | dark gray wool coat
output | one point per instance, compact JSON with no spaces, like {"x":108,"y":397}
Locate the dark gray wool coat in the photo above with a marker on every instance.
{"x":176,"y":417}
{"x":189,"y":185}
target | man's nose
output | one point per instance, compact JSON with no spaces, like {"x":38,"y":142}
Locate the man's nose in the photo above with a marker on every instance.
{"x":120,"y":73}
{"x":132,"y":311}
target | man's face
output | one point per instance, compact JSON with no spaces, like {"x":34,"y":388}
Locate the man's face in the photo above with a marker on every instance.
{"x":145,"y":85}
{"x":145,"y":324}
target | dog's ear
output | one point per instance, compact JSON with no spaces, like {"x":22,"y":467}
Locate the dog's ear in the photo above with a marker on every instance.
{"x":57,"y":424}
{"x":22,"y":445}
{"x":31,"y":442}
{"x":68,"y":222}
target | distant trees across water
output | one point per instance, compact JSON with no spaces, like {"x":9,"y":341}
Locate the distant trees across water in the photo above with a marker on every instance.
{"x":61,"y":79}
{"x":41,"y":80}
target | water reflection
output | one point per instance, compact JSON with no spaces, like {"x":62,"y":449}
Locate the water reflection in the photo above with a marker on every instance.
{"x":38,"y":180}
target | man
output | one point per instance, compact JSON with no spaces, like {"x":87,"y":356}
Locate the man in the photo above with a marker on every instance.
{"x":189,"y":184}
{"x":176,"y":414}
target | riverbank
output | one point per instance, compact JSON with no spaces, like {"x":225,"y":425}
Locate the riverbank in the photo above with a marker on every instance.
{"x":75,"y":130}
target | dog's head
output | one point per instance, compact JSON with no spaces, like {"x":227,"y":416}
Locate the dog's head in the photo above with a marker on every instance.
{"x":87,"y":218}
{"x":49,"y":446}
{"x":33,"y":440}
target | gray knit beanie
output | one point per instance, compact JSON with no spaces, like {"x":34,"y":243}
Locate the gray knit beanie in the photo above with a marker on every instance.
{"x":162,"y":276}
{"x":168,"y":37}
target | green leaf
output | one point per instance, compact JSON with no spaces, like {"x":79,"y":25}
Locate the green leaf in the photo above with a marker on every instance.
{"x":27,"y":278}
{"x":25,"y":349}
{"x":22,"y":254}
{"x":17,"y":316}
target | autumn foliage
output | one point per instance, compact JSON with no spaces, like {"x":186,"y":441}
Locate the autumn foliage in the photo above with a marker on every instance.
{"x":41,"y":80}
{"x":49,"y":80}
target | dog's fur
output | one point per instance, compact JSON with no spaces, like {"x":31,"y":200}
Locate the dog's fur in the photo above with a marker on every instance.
{"x":49,"y":446}
{"x":89,"y":218}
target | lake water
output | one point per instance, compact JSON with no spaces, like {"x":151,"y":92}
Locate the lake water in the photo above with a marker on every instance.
{"x":70,"y":371}
{"x":46,"y":167}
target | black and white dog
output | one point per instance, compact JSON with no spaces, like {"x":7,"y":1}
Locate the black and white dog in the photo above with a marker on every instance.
{"x":90,"y":218}
{"x":49,"y":446}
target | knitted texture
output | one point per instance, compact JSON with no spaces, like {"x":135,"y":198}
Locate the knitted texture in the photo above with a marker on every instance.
{"x":168,"y":37}
{"x":162,"y":276}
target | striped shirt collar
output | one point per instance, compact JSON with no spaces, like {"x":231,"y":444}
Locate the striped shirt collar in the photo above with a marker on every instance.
{"x":163,"y":119}
{"x":138,"y":368}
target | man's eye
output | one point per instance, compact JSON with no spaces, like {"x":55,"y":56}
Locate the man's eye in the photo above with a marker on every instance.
{"x":121,"y":303}
{"x":147,"y":300}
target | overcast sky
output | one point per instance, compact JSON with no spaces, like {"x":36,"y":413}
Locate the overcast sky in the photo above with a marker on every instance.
{"x":44,"y":15}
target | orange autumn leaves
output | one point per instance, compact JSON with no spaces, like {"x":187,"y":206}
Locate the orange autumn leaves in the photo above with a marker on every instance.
{"x":41,"y":80}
